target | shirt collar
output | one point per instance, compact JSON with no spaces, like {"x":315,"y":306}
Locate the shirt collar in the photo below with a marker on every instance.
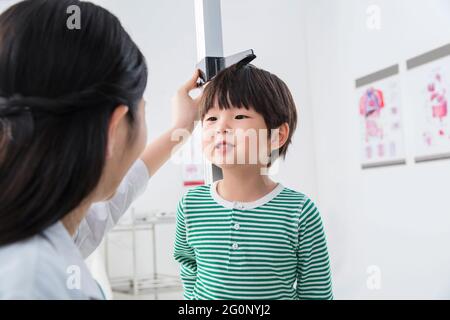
{"x":244,"y":205}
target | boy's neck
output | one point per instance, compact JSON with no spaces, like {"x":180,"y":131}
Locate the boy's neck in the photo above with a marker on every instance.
{"x":244,"y":184}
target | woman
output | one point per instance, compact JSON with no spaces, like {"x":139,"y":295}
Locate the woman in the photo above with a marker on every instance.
{"x":72,"y":127}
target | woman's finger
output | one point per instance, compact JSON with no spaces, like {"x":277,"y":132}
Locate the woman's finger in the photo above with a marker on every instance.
{"x":192,"y":82}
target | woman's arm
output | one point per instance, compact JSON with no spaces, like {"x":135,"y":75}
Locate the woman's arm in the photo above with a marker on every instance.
{"x":184,"y":114}
{"x":103,"y":216}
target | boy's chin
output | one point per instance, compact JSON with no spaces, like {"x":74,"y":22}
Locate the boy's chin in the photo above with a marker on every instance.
{"x":229,"y":165}
{"x":226,"y":165}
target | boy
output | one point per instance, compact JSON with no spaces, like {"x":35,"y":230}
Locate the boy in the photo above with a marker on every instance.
{"x":245,"y":236}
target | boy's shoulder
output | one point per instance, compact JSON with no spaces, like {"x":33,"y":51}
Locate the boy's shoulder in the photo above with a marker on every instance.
{"x":195,"y":195}
{"x":303,"y":200}
{"x":293,"y":194}
{"x":198,"y":191}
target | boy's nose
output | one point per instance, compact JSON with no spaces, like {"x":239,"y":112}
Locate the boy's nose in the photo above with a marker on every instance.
{"x":223,"y":130}
{"x":222,"y":126}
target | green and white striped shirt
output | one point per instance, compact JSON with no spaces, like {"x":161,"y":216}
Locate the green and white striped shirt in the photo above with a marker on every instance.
{"x":273,"y":248}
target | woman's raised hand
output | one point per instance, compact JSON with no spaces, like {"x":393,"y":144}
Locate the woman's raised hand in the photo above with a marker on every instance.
{"x":185,"y":109}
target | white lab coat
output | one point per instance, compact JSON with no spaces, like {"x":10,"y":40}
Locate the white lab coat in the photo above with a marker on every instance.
{"x":103,"y":216}
{"x":50,"y":265}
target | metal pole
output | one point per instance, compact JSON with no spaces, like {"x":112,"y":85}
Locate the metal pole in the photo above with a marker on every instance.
{"x":208,"y":22}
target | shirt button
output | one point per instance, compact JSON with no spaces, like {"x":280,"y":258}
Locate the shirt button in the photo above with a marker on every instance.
{"x":238,"y":205}
{"x":235,"y":246}
{"x":236,"y":226}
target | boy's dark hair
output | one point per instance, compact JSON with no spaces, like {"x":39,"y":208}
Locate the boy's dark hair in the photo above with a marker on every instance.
{"x":248,"y":86}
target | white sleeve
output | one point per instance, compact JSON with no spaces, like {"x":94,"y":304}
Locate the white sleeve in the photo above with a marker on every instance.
{"x":103,"y":216}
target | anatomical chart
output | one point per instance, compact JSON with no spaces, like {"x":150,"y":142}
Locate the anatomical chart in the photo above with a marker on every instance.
{"x":380,"y":114}
{"x":429,"y":85}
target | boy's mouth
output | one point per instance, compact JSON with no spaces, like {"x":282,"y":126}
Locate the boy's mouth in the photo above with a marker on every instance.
{"x":223,"y":146}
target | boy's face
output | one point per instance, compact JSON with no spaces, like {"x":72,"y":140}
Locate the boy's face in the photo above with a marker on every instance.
{"x":235,"y":136}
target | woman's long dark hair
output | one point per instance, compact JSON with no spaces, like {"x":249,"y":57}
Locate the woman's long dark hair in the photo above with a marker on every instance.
{"x":58,"y":89}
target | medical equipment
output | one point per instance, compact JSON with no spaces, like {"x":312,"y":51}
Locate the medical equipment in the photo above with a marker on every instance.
{"x":142,"y":284}
{"x":210,"y":66}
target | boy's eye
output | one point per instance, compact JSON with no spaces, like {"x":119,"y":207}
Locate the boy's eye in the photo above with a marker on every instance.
{"x":211,"y":119}
{"x":241,"y":116}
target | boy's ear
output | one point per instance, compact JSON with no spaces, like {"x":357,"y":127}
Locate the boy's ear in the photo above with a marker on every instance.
{"x":279,"y":136}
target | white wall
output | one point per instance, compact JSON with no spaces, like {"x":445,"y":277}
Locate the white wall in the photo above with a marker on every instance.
{"x":396,"y":218}
{"x":5,"y":4}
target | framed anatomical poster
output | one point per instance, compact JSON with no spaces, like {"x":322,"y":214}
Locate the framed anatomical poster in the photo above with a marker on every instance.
{"x":380,"y":118}
{"x":428,"y":82}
